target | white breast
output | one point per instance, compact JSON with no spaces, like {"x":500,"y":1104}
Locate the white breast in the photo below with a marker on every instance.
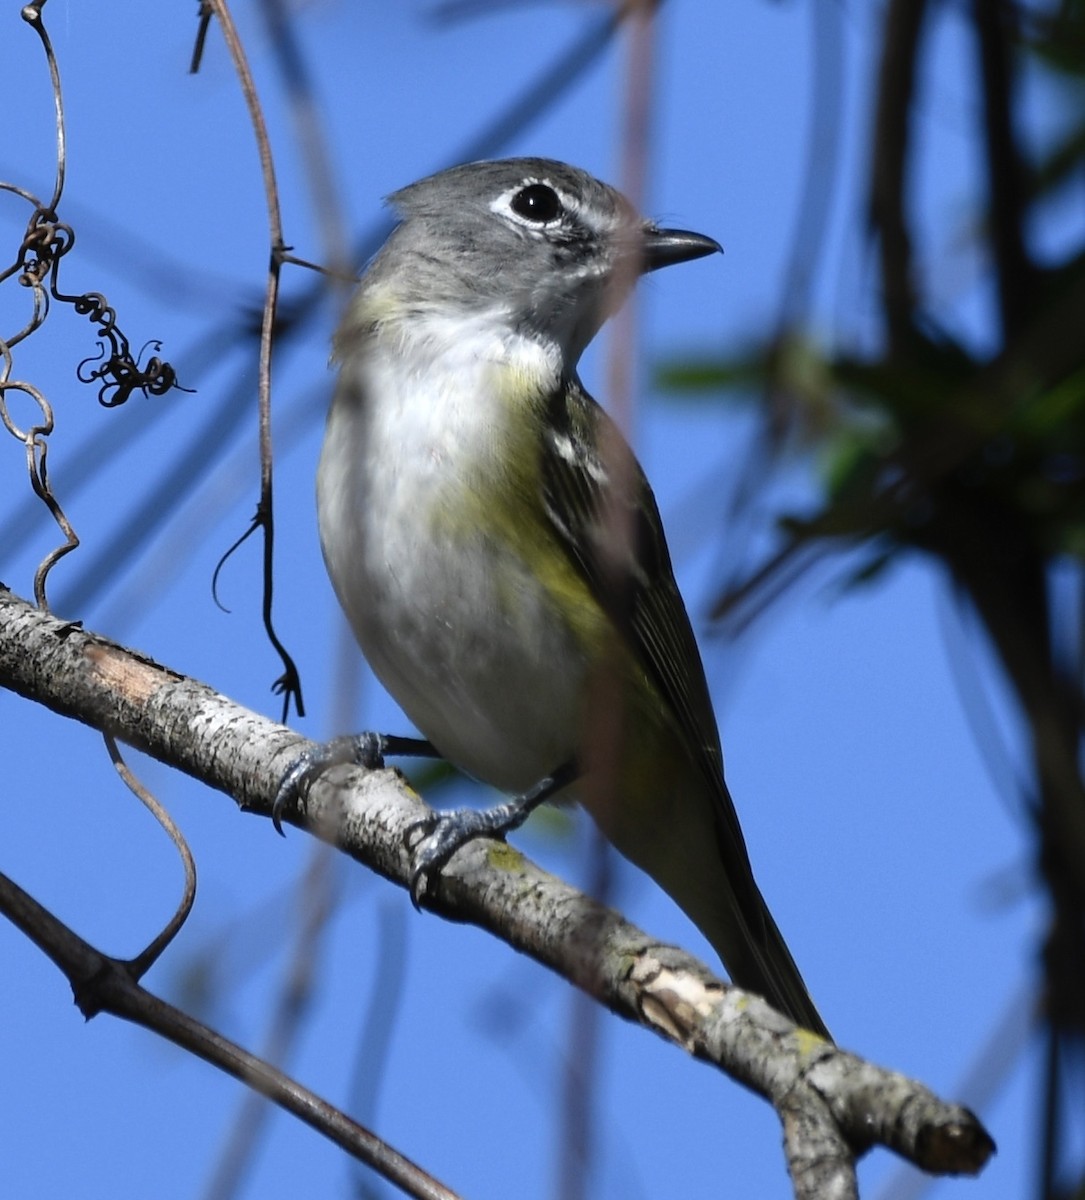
{"x":449,"y":618}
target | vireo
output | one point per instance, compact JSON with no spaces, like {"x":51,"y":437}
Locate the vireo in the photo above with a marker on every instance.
{"x":500,"y":555}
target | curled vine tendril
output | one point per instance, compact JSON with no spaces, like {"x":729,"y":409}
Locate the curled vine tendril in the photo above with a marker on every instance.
{"x":36,"y":268}
{"x":123,"y":375}
{"x":45,"y":243}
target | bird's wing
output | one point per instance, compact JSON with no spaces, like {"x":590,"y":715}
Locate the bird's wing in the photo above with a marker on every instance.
{"x":595,"y":492}
{"x":596,"y":497}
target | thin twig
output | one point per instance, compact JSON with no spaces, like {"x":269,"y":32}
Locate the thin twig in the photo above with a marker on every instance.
{"x":32,"y":275}
{"x":605,"y":740}
{"x":288,"y":685}
{"x":312,"y":144}
{"x":317,"y":905}
{"x":142,"y":963}
{"x":104,"y":984}
{"x":31,"y":13}
{"x":384,"y":1007}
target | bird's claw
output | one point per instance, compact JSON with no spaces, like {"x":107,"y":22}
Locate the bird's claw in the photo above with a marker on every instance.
{"x":428,"y":854}
{"x":290,"y":785}
{"x":362,"y":749}
{"x":442,"y":835}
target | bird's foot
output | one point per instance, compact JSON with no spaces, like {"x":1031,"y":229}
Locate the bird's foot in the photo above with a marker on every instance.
{"x":358,"y":749}
{"x":446,"y":832}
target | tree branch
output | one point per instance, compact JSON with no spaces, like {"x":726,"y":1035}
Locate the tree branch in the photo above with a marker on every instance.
{"x":903,"y":28}
{"x":833,"y":1105}
{"x":104,"y":984}
{"x":1007,"y":187}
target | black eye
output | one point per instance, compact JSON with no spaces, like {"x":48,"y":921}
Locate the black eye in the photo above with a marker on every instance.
{"x":537,"y":203}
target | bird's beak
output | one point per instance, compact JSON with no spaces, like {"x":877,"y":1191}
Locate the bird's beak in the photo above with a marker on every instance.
{"x":664,"y":247}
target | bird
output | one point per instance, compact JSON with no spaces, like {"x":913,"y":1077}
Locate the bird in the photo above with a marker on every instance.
{"x":499,"y":553}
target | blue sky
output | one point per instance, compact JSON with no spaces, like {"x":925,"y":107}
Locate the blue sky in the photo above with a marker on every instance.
{"x":893,"y":861}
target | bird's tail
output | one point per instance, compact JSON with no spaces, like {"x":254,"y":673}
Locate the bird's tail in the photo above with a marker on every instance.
{"x":757,"y":959}
{"x":694,"y":849}
{"x":708,"y":873}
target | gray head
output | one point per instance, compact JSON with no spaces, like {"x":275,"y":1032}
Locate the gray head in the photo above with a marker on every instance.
{"x":537,"y":240}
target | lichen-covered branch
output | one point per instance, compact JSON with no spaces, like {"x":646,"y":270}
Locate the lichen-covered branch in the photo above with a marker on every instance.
{"x":833,"y":1105}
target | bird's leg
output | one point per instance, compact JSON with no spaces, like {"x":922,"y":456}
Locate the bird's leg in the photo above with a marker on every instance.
{"x":447,"y":832}
{"x":359,"y":749}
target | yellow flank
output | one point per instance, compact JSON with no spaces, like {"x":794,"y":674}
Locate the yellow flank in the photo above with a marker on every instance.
{"x":499,"y":498}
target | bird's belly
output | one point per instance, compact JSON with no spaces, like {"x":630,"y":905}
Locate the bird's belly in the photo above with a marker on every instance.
{"x":463,"y":637}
